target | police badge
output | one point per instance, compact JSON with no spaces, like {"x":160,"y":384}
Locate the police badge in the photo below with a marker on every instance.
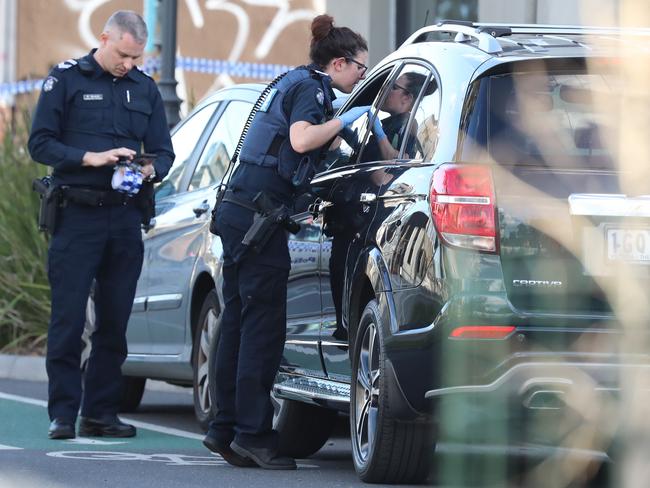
{"x":48,"y":84}
{"x":320,"y":96}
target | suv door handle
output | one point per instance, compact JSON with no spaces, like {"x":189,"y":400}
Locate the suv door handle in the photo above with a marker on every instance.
{"x":201,"y":209}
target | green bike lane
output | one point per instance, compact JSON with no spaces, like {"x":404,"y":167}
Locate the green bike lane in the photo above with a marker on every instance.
{"x":24,"y":424}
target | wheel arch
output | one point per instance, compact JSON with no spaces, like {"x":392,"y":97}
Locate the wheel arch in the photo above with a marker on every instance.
{"x":369,"y":280}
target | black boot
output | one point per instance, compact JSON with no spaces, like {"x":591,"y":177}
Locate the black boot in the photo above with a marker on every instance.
{"x":226,"y":452}
{"x":105,"y":426}
{"x":61,"y":429}
{"x":264,"y":457}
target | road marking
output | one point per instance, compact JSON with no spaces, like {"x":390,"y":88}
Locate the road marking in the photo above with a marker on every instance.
{"x":9,"y":448}
{"x":168,"y":459}
{"x":95,"y":442}
{"x":143,"y":425}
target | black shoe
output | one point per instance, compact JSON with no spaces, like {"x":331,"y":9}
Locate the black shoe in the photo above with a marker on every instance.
{"x":61,"y":429}
{"x":264,"y":457}
{"x":107,"y":426}
{"x":228,"y":454}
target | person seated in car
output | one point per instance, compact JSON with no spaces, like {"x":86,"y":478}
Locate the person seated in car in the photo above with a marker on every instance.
{"x":389,"y":133}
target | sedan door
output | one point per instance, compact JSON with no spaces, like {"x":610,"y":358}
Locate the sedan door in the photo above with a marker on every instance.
{"x":185,"y":139}
{"x":179,"y":237}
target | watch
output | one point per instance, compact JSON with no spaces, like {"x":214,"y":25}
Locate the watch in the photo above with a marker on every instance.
{"x":152,"y":176}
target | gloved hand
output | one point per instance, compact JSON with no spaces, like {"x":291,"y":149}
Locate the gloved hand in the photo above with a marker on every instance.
{"x":378,"y":130}
{"x":353,"y":114}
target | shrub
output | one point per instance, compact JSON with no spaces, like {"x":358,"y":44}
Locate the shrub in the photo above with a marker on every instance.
{"x":24,"y":289}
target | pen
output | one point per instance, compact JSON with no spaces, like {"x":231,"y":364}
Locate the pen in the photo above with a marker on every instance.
{"x":128,"y":97}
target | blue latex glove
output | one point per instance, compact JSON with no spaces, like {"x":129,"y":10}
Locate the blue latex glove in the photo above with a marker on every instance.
{"x":353,"y":114}
{"x":378,"y":130}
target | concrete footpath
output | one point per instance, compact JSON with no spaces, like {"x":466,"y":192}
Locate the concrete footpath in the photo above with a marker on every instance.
{"x":32,"y":368}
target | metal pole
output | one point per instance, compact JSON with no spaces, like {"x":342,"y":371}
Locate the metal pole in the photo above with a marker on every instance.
{"x":167,"y":83}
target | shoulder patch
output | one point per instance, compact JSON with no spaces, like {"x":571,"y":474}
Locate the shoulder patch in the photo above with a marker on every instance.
{"x":48,"y":84}
{"x":320,"y":96}
{"x":67,"y":64}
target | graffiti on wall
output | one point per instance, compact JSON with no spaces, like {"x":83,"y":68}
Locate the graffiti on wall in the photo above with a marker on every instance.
{"x":284,"y":16}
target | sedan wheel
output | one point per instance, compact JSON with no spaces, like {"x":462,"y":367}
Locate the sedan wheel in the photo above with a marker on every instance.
{"x":206,"y":328}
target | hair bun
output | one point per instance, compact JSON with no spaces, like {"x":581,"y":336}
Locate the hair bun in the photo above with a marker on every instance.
{"x":321,"y":27}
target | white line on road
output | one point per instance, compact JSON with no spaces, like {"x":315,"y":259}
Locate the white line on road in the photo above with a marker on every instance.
{"x":9,"y":448}
{"x":136,"y":423}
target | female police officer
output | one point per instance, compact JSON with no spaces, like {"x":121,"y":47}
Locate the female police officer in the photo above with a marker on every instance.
{"x":290,"y":126}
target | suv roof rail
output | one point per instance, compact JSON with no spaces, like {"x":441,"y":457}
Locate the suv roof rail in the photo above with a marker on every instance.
{"x":565,"y":29}
{"x":463,"y":30}
{"x":486,"y":33}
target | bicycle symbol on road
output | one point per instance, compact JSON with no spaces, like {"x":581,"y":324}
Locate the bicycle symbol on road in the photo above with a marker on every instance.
{"x":168,"y":459}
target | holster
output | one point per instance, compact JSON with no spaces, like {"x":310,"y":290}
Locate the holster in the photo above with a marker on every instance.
{"x":266,"y":221}
{"x":50,"y":200}
{"x":221,"y":191}
{"x":146,"y":202}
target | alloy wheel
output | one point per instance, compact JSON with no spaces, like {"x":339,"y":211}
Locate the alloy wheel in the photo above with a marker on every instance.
{"x":202,"y":361}
{"x":367,"y":393}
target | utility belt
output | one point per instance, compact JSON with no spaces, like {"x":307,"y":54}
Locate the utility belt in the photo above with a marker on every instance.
{"x":268,"y":216}
{"x":53,"y":197}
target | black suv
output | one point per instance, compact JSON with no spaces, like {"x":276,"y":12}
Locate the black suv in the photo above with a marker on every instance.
{"x":459,"y":282}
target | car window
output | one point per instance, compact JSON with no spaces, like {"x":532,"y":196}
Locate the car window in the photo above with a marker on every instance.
{"x":184,"y":141}
{"x":394,"y":109}
{"x":422,"y":134}
{"x":347,"y":148}
{"x":541,"y":118}
{"x":221,"y":145}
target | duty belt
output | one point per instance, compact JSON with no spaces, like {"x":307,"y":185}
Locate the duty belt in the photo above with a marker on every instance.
{"x":231,"y":196}
{"x":93,"y":197}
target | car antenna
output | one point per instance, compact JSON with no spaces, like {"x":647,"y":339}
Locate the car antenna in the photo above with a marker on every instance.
{"x":426,"y":17}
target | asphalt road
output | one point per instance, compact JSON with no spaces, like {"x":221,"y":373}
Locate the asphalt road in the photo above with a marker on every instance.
{"x":167,"y":452}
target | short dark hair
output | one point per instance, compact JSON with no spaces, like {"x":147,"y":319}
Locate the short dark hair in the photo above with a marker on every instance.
{"x":416,"y":82}
{"x":329,"y":42}
{"x":128,"y":21}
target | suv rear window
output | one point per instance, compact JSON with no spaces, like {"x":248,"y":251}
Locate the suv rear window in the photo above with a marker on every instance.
{"x":549,"y":118}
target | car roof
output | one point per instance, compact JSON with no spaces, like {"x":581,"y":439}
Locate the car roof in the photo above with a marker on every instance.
{"x":453,"y":42}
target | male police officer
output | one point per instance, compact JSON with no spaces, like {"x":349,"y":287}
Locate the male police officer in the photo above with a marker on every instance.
{"x":93,"y":112}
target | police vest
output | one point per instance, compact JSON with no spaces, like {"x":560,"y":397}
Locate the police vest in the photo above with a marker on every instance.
{"x":267,"y":142}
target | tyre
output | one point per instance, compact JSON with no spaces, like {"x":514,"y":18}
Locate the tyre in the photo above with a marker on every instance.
{"x":206,"y":328}
{"x":384,"y":450}
{"x":303,"y":429}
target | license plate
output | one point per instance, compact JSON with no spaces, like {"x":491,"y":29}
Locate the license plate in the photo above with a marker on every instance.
{"x":628,"y":245}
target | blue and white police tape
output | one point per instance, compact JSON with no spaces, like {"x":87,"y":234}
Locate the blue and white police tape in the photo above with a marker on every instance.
{"x":258,"y":71}
{"x":127,"y":179}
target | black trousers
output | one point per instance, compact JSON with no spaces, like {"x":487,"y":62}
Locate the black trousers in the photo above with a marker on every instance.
{"x":252,"y":334}
{"x":91,"y":243}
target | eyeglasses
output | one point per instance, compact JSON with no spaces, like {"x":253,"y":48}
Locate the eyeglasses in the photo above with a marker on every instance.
{"x":360,"y":66}
{"x":400,"y":87}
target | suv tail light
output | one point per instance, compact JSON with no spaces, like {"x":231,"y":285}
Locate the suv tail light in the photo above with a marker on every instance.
{"x":463,"y":207}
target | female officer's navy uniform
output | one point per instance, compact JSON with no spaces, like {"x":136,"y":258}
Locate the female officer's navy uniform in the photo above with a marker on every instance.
{"x":253,"y":325}
{"x":84,"y":108}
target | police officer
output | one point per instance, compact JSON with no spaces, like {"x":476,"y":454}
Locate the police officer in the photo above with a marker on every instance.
{"x":92,"y":112}
{"x":291,"y":127}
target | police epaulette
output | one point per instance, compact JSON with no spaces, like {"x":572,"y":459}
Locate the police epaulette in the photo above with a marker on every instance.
{"x":67,"y":64}
{"x":143,"y":71}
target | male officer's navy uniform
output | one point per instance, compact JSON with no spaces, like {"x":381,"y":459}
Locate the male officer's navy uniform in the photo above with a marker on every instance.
{"x":84,"y":108}
{"x":253,"y":326}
